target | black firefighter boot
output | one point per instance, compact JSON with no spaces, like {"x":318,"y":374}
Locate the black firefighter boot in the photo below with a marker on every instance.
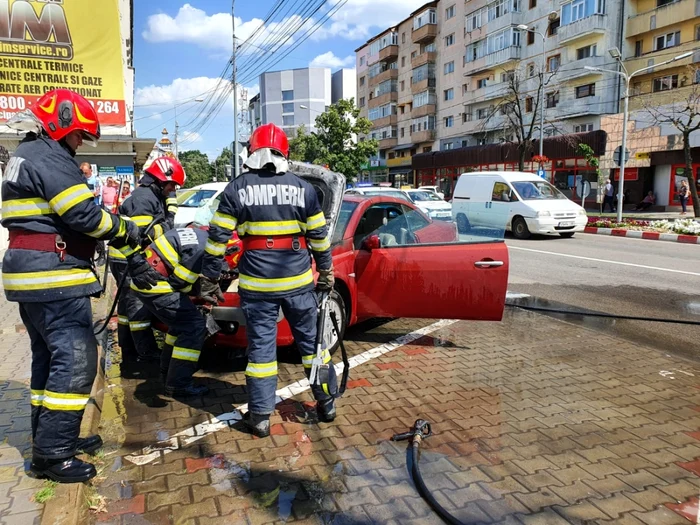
{"x":258,"y":424}
{"x":326,"y":410}
{"x":67,"y":470}
{"x":89,"y":445}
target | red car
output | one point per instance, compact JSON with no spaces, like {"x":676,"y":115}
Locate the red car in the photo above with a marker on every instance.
{"x":391,"y":260}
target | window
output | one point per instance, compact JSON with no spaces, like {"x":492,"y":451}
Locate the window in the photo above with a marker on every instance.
{"x":465,"y":88}
{"x":501,"y":7}
{"x":586,"y":52}
{"x":387,"y":132}
{"x":403,"y":38}
{"x":403,"y":61}
{"x":528,"y":104}
{"x":362,"y":81}
{"x":530,"y":38}
{"x":423,"y":99}
{"x":583,"y":128}
{"x":423,"y":124}
{"x":466,"y":117}
{"x":362,"y":60}
{"x":661,"y":3}
{"x":382,"y":111}
{"x":697,"y":32}
{"x":482,"y":113}
{"x":427,"y":149}
{"x":667,"y":40}
{"x":450,"y":12}
{"x":288,"y":120}
{"x":503,"y":39}
{"x":428,"y":48}
{"x":288,"y":95}
{"x":665,"y":83}
{"x":381,"y":67}
{"x":449,"y":40}
{"x":501,"y":192}
{"x":403,"y":132}
{"x":553,"y":27}
{"x":476,"y":51}
{"x":553,"y":63}
{"x":386,"y":40}
{"x":474,"y":20}
{"x":449,"y":122}
{"x":362,"y":102}
{"x":578,"y":9}
{"x":429,"y":16}
{"x":533,"y":4}
{"x":481,"y":142}
{"x":552,"y":99}
{"x":482,"y":83}
{"x":638,"y":48}
{"x":449,"y":94}
{"x":288,"y":107}
{"x":403,"y":109}
{"x":449,"y":67}
{"x":385,"y":87}
{"x":585,"y":91}
{"x":414,"y":54}
{"x":696,"y":80}
{"x":507,"y":76}
{"x":403,"y":85}
{"x":424,"y":72}
{"x":531,"y":70}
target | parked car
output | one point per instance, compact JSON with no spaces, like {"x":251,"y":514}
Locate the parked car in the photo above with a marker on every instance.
{"x":191,"y":200}
{"x":390,"y":260}
{"x":379,"y":190}
{"x":524,"y":202}
{"x":431,"y":204}
{"x":434,"y":189}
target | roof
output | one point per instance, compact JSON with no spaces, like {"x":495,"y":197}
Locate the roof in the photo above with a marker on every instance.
{"x":210,"y":186}
{"x":421,"y":8}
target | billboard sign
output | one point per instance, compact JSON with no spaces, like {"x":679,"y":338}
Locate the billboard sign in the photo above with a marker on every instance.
{"x":48,"y":44}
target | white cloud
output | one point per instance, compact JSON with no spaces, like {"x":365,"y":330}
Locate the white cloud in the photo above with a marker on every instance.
{"x":190,"y":137}
{"x":330,"y":60}
{"x":178,"y":91}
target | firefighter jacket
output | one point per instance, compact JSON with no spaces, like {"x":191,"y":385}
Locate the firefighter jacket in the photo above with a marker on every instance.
{"x":144,"y":205}
{"x":261,"y":203}
{"x":44,"y":191}
{"x":181,"y":252}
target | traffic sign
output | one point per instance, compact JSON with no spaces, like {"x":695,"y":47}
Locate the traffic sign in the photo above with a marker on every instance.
{"x":583,"y":188}
{"x":616,"y":155}
{"x":541,"y":173}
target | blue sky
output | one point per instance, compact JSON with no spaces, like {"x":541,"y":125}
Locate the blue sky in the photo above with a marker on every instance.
{"x":180,"y":49}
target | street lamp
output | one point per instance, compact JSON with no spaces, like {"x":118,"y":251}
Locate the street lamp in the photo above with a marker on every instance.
{"x":615,"y":53}
{"x":177,"y":127}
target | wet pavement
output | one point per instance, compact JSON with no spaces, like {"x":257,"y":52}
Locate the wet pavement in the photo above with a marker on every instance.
{"x":536,"y":420}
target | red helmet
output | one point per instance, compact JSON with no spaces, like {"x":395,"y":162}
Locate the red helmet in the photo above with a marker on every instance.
{"x":269,"y":136}
{"x":167,"y":169}
{"x":234,"y":250}
{"x":62,"y":111}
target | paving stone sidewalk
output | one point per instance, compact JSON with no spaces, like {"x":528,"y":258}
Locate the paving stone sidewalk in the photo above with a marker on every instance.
{"x":535,"y":420}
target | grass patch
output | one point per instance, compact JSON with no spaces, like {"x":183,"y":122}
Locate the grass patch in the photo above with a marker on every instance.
{"x":46,"y":493}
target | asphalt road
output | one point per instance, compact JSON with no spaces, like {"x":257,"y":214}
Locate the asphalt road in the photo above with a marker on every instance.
{"x":617,"y":276}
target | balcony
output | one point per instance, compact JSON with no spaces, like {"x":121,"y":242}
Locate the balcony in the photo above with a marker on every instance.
{"x":389,"y":74}
{"x":493,"y":60}
{"x":425,"y":34}
{"x":583,"y":28}
{"x":422,"y":85}
{"x":577,"y":107}
{"x":419,"y":137}
{"x":388,"y":53}
{"x":384,"y":122}
{"x":392,"y":96}
{"x":472,"y":124}
{"x":388,"y":143}
{"x":399,"y":161}
{"x":669,"y":14}
{"x":502,"y":22}
{"x":575,"y":70}
{"x":648,"y":59}
{"x":427,"y":57}
{"x":422,"y":111}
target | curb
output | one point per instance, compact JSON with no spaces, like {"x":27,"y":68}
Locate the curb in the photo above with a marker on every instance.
{"x":650,"y":236}
{"x":68,"y":506}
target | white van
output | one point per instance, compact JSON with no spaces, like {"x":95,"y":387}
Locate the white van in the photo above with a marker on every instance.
{"x":526,"y":204}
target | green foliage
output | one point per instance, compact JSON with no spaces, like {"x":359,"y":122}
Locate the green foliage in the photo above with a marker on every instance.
{"x":219,"y":165}
{"x":304,"y":147}
{"x":197,"y":167}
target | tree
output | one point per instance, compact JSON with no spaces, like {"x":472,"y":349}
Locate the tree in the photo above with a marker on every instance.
{"x":219,"y":165}
{"x":337,"y":138}
{"x":304,"y":147}
{"x":521,"y":108}
{"x":683,"y":113}
{"x":196,"y":166}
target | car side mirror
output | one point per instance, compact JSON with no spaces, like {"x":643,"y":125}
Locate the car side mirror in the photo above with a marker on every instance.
{"x":372,"y":243}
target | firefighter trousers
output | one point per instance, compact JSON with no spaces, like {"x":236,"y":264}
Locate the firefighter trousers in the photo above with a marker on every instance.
{"x":301,"y":312}
{"x":64,"y":365}
{"x":185,"y":338}
{"x":134,"y":328}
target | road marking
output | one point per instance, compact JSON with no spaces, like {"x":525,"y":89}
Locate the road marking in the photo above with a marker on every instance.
{"x":223,"y":421}
{"x":606,"y":261}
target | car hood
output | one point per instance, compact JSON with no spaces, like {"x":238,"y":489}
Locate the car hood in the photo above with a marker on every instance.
{"x":329,"y":186}
{"x":433,"y":205}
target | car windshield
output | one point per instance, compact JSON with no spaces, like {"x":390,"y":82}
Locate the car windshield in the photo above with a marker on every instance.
{"x":346,"y":211}
{"x":422,"y":196}
{"x":195,"y":198}
{"x":387,"y":193}
{"x":537,"y":190}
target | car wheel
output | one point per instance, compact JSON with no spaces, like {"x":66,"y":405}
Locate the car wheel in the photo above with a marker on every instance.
{"x":567,"y":235}
{"x":520,"y":229}
{"x":463,"y":225}
{"x":331,"y":338}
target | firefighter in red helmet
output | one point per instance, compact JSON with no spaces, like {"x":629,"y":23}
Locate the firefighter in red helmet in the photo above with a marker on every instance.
{"x":153,"y":201}
{"x":281,"y":225}
{"x":54,"y":224}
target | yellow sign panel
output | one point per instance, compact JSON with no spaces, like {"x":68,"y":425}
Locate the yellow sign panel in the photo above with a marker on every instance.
{"x":73,"y":44}
{"x":642,"y":156}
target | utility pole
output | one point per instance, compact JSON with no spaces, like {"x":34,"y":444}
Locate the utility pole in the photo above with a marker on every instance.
{"x":177,"y":129}
{"x":236,"y":168}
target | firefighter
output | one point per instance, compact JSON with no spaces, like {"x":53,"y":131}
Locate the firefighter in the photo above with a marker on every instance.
{"x":54,"y":224}
{"x":153,"y":200}
{"x":162,"y":278}
{"x":277,"y":215}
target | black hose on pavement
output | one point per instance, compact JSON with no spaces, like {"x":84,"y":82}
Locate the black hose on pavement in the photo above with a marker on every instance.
{"x":604,"y":315}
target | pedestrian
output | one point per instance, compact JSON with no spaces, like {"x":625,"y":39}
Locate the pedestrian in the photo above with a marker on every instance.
{"x":162,"y":278}
{"x":93,"y":181}
{"x":151,"y":202}
{"x":278,"y":217}
{"x":609,"y":198}
{"x":684,"y":195}
{"x":647,"y":202}
{"x":109,"y":195}
{"x":53,"y":224}
{"x":126,"y":192}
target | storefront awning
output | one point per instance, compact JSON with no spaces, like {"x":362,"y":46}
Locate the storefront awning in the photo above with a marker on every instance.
{"x":397,"y":171}
{"x":403,"y":147}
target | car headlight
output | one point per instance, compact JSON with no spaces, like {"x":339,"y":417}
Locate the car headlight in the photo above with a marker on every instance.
{"x":582,"y":212}
{"x":543,"y":214}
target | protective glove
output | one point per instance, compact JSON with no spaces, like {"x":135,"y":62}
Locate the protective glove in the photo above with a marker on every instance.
{"x":143,"y":275}
{"x":132,"y":233}
{"x":210,"y":290}
{"x":325,"y":280}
